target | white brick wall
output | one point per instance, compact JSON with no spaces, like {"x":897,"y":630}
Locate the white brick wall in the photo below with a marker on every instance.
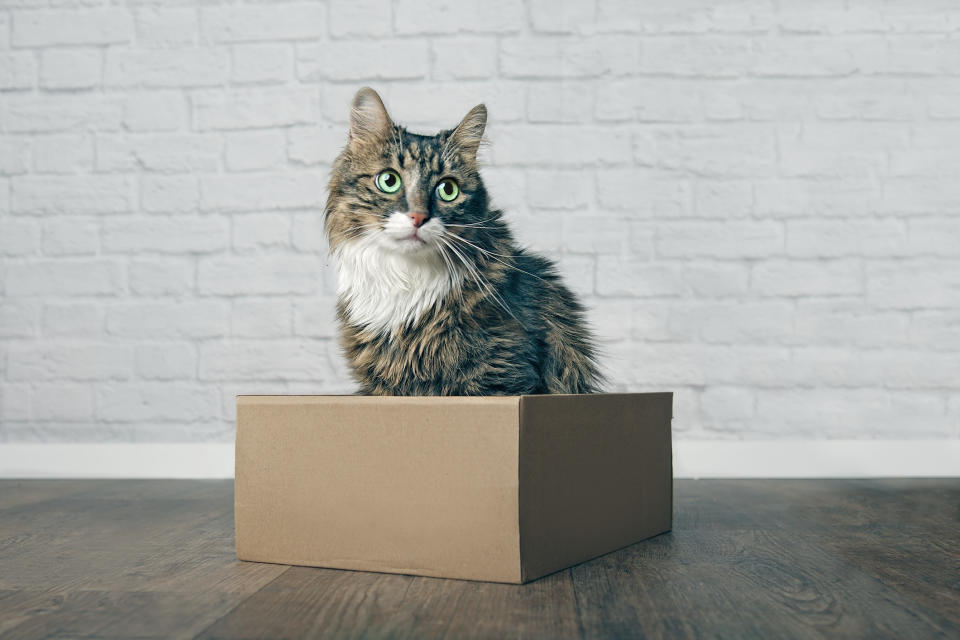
{"x":759,"y":200}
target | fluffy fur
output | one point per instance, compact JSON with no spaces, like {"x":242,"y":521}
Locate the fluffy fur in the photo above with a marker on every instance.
{"x":436,"y":297}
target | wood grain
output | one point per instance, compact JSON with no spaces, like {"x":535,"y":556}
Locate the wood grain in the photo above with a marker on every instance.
{"x":746,"y":559}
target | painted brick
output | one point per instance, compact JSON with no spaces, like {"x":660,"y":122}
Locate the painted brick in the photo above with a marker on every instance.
{"x":164,"y":277}
{"x":450,"y":16}
{"x":320,"y":144}
{"x":72,"y":194}
{"x":547,"y":16}
{"x":15,"y":156}
{"x":463,"y":58}
{"x":40,"y":362}
{"x":167,"y":28}
{"x":261,"y":319}
{"x":363,"y":60}
{"x":560,"y":102}
{"x":836,"y":238}
{"x":19,"y":318}
{"x":756,"y":201}
{"x":169,"y":194}
{"x":74,"y":319}
{"x":71,"y":236}
{"x":563,"y":189}
{"x":246,"y":151}
{"x":62,"y":402}
{"x":19,"y":237}
{"x":644,"y":194}
{"x":63,"y":154}
{"x":726,"y":403}
{"x":260,"y":231}
{"x":261,"y":191}
{"x":71,"y":68}
{"x":307,"y":232}
{"x":153,"y":320}
{"x":81,"y":26}
{"x":848,"y":323}
{"x":716,"y":280}
{"x":262,"y":63}
{"x":160,"y":401}
{"x":264,"y":360}
{"x":14,"y":402}
{"x":617,"y":276}
{"x":568,"y":57}
{"x":263,"y":22}
{"x":159,"y":152}
{"x":62,"y":277}
{"x":54,"y":112}
{"x":175,"y":234}
{"x":18,"y":70}
{"x":797,"y":278}
{"x":315,"y":318}
{"x":154,"y":111}
{"x":729,"y":239}
{"x":161,"y":68}
{"x":167,"y":361}
{"x":913,"y":284}
{"x":360,"y":18}
{"x":846,"y":413}
{"x":254,"y":108}
{"x":554,"y":145}
{"x":261,"y":275}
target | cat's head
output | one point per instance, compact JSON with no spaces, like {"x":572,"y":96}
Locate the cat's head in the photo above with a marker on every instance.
{"x":402,"y":191}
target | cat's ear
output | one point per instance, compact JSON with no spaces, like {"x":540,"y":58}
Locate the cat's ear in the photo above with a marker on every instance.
{"x":469,"y":133}
{"x":368,"y":117}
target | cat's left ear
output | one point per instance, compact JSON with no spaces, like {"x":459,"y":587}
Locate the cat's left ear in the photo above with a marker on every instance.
{"x":469,"y":133}
{"x":368,"y":117}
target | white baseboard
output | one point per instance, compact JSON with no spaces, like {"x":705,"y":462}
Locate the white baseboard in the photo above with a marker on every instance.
{"x":817,"y":459}
{"x":692,"y":459}
{"x":126,"y":460}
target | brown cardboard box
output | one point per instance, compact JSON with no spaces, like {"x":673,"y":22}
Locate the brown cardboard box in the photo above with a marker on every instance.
{"x":505,"y":489}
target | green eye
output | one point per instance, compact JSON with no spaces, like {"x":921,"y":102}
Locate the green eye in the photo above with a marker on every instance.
{"x":388,"y":181}
{"x":448,"y":189}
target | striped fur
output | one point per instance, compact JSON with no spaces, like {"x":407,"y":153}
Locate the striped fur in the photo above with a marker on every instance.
{"x":461,"y":309}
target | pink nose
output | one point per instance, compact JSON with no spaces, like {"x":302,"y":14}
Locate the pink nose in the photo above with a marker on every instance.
{"x":418,"y":218}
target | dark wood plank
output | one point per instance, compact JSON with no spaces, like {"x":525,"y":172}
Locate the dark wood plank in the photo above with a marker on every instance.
{"x":325,"y":603}
{"x":743,"y":584}
{"x":162,"y":536}
{"x":122,"y":615}
{"x":19,"y":492}
{"x":747,"y":559}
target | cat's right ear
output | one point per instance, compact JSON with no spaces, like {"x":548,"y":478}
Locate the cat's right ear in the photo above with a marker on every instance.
{"x":368,"y":117}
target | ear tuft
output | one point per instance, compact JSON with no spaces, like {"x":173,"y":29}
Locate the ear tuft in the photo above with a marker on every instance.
{"x":469,"y":133}
{"x":368,"y":116}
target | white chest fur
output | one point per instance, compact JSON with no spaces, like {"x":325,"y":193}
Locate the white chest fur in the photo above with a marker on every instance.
{"x":383,"y":289}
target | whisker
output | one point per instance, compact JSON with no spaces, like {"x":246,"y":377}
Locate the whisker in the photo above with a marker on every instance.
{"x":485,"y":284}
{"x":451,"y":270}
{"x":493,"y":255}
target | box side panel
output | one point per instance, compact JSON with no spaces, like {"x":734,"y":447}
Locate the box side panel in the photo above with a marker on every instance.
{"x":386,"y":484}
{"x":596,"y":474}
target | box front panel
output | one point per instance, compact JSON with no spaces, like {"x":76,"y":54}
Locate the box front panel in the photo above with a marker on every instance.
{"x":425,"y":486}
{"x":596,"y":474}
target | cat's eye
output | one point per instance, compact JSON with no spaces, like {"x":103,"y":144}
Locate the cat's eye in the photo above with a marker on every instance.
{"x":448,"y":189}
{"x":388,"y":181}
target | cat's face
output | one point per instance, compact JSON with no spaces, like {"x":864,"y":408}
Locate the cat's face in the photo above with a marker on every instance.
{"x":404,"y":192}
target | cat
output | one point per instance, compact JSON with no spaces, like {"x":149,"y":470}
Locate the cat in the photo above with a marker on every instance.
{"x":435,"y":297}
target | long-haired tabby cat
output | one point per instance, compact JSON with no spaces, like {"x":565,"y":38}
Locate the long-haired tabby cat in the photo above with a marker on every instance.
{"x":435,"y":296}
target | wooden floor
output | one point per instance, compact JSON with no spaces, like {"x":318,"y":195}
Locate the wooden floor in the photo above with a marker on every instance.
{"x":747,"y":559}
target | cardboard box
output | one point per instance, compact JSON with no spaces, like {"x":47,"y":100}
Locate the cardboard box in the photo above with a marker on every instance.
{"x":504,"y":489}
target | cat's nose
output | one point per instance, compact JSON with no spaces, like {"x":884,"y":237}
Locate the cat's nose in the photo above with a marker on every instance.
{"x":418,"y":218}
